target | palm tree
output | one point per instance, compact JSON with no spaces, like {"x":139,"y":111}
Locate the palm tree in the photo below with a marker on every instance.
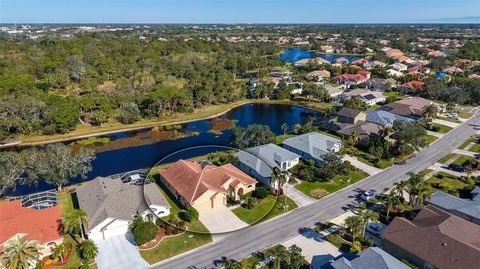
{"x":20,"y":253}
{"x":366,"y":216}
{"x":285,"y":129}
{"x":88,"y":250}
{"x":414,"y":184}
{"x":59,"y":251}
{"x":399,"y":188}
{"x":353,"y":139}
{"x":424,"y":190}
{"x":75,"y":218}
{"x":280,"y":254}
{"x":429,"y":113}
{"x":353,"y":225}
{"x":391,"y":201}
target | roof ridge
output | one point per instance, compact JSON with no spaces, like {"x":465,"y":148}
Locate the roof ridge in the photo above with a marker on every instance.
{"x":198,"y":184}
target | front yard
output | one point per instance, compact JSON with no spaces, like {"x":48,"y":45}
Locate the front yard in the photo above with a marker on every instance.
{"x":319,"y":189}
{"x":439,"y":128}
{"x":429,"y":139}
{"x":266,"y":208}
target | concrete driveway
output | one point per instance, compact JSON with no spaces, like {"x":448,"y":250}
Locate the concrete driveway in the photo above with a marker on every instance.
{"x":362,"y":166}
{"x":316,"y":250}
{"x":297,"y":196}
{"x":119,"y":252}
{"x":221,"y":220}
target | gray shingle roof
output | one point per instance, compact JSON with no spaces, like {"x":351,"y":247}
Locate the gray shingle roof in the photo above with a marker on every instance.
{"x":314,"y":143}
{"x":103,"y":198}
{"x":272,"y":154}
{"x":372,"y":258}
{"x":384,"y":117}
{"x":254,"y":163}
{"x":452,"y":203}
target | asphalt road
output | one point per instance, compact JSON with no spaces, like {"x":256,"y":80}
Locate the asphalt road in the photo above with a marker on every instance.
{"x":243,"y":243}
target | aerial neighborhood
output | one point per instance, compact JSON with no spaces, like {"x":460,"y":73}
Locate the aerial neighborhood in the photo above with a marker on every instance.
{"x":240,"y":146}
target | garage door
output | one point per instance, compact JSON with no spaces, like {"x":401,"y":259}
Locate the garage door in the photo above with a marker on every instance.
{"x":115,"y":228}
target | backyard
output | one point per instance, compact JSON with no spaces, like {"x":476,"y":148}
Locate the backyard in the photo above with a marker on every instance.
{"x":318,"y":189}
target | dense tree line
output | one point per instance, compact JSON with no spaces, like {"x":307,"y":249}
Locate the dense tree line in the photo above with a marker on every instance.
{"x":50,"y":86}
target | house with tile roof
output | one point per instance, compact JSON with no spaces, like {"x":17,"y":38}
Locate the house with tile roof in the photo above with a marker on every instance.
{"x":412,"y":86}
{"x":312,"y":146}
{"x":434,"y":239}
{"x":205,"y":186}
{"x":384,"y":118}
{"x":35,"y":222}
{"x":468,"y":209}
{"x":368,"y":97}
{"x":408,"y":107}
{"x":371,"y":258}
{"x":350,"y":80}
{"x":260,"y":161}
{"x":111,"y":205}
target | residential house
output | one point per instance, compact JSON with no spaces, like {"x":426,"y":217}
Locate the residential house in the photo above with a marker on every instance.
{"x":395,"y":73}
{"x":436,"y":53}
{"x":350,"y":80}
{"x":205,"y":186}
{"x":394,"y":53}
{"x":381,"y":85}
{"x":34,"y":219}
{"x":341,"y":60}
{"x":311,"y":61}
{"x":452,"y":70}
{"x":327,"y":48}
{"x":371,"y":258}
{"x":408,"y":107}
{"x":384,"y":118}
{"x":366,"y":96}
{"x":318,"y":75}
{"x":374,"y":64}
{"x":312,"y":146}
{"x":349,"y":115}
{"x":297,"y":88}
{"x":334,"y":91}
{"x":112,"y":204}
{"x":360,"y":62}
{"x":399,"y":67}
{"x":468,"y":209}
{"x":411,"y":87}
{"x":260,"y":161}
{"x":352,"y":121}
{"x":434,"y":239}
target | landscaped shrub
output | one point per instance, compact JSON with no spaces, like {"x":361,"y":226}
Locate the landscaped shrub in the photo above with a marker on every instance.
{"x":367,"y":242}
{"x":144,"y":232}
{"x":190,"y":215}
{"x":261,"y":192}
{"x":356,"y":247}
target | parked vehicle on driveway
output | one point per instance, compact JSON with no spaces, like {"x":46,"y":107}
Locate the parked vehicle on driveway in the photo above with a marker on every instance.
{"x":367,"y":196}
{"x":457,"y":167}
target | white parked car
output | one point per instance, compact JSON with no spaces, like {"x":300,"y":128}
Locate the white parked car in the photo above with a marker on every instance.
{"x":366,"y":196}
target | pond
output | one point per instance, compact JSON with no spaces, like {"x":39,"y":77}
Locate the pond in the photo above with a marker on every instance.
{"x":295,"y":54}
{"x":144,"y":156}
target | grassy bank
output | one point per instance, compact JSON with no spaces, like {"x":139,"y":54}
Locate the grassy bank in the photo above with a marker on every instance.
{"x":319,"y":189}
{"x":205,"y":112}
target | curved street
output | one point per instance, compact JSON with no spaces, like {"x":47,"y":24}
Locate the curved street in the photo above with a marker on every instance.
{"x":243,"y":243}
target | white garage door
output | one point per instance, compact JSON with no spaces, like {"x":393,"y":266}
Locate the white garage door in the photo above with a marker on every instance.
{"x":115,"y":228}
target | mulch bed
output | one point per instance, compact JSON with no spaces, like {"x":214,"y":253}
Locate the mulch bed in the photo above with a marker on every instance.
{"x":160,"y":234}
{"x":59,"y":263}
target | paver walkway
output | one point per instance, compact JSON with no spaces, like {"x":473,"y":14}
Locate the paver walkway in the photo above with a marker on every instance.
{"x":315,"y":248}
{"x":119,"y":252}
{"x":221,"y":220}
{"x":297,"y":196}
{"x":362,"y":166}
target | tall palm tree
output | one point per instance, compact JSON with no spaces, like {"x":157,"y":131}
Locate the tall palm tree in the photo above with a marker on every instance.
{"x":399,"y":188}
{"x":429,"y":113}
{"x":424,"y":190}
{"x":391,"y":201}
{"x":88,"y":250}
{"x":353,"y":224}
{"x":280,"y":254}
{"x":353,"y":139}
{"x":20,"y":253}
{"x":75,"y":218}
{"x":59,"y":251}
{"x":366,"y":216}
{"x":414,"y":184}
{"x":285,"y":129}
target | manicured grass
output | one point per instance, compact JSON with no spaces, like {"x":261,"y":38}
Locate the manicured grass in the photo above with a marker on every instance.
{"x":267,"y":208}
{"x":430,"y":139}
{"x":443,"y":129}
{"x":319,"y":189}
{"x":426,"y":172}
{"x":462,"y":159}
{"x":365,"y":158}
{"x":445,"y":178}
{"x":172,"y":246}
{"x":467,"y":142}
{"x":336,"y":240}
{"x":397,"y":95}
{"x":464,"y":115}
{"x":475,"y":148}
{"x":447,"y":158}
{"x":280,"y":138}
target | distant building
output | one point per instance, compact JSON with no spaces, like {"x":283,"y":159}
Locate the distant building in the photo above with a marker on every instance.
{"x":384,"y":118}
{"x":371,"y":258}
{"x":409,"y":107}
{"x":312,"y":146}
{"x":352,"y":121}
{"x":434,"y":239}
{"x":349,"y":115}
{"x":311,"y":61}
{"x":411,"y":86}
{"x":368,"y":97}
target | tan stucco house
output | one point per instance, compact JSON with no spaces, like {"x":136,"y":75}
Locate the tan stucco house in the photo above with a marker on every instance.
{"x":206,"y":186}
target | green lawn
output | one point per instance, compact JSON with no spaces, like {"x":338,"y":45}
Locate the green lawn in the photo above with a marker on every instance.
{"x":449,"y":119}
{"x":265,"y":209}
{"x":175,"y":245}
{"x":467,"y":142}
{"x":397,"y":95}
{"x":280,"y":138}
{"x":336,"y":240}
{"x":439,"y":128}
{"x":319,"y":189}
{"x":447,"y":158}
{"x":475,"y":148}
{"x":446,"y":178}
{"x":462,"y":159}
{"x":365,"y":158}
{"x":430,"y":139}
{"x":464,"y":115}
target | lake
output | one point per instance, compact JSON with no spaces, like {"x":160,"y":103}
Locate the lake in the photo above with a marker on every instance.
{"x":144,"y":156}
{"x":295,"y":54}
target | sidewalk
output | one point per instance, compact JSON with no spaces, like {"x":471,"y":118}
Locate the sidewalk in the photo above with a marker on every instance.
{"x":466,"y":152}
{"x":364,"y":167}
{"x":297,"y":196}
{"x":446,"y":123}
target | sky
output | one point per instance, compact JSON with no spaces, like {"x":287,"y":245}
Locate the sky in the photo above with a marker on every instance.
{"x":234,"y":11}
